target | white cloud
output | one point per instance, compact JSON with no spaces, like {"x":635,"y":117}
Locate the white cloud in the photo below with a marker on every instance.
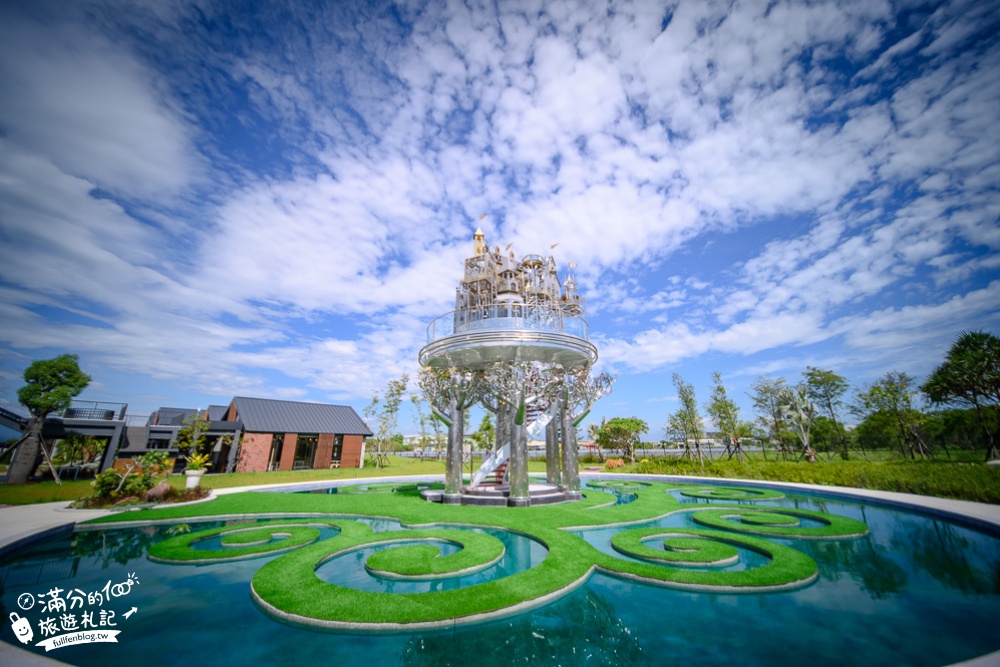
{"x":728,"y":187}
{"x":91,"y":108}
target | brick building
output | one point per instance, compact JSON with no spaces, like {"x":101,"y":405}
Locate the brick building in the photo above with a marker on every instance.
{"x":260,"y":434}
{"x":288,"y":435}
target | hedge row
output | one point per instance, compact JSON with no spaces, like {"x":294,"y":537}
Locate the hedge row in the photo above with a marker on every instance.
{"x":961,"y":481}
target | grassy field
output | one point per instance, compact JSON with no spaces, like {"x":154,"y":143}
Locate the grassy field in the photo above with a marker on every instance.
{"x":959,"y":479}
{"x":45,"y":492}
{"x":963,"y":477}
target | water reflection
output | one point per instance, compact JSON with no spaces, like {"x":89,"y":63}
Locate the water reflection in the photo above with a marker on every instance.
{"x":583,"y":629}
{"x":116,"y":546}
{"x":952,"y":557}
{"x":861,"y":560}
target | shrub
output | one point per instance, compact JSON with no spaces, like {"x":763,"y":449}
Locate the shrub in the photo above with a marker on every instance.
{"x":978,"y":483}
{"x":611,"y":464}
{"x":115,"y":486}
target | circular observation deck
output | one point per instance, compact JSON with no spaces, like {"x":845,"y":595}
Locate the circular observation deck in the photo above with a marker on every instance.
{"x":473,"y":338}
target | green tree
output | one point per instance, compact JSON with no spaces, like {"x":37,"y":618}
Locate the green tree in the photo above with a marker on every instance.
{"x":726,"y":415}
{"x":799,"y":413}
{"x":892,"y":394}
{"x":382,"y":415}
{"x":823,"y":436}
{"x":970,"y":378}
{"x":50,"y":387}
{"x":955,"y":428}
{"x":594,"y":433}
{"x":191,"y":436}
{"x":768,"y":408}
{"x":827,"y":389}
{"x":484,"y":438}
{"x":685,"y":424}
{"x":877,"y":431}
{"x":622,"y":433}
{"x":418,"y":405}
{"x":76,"y":448}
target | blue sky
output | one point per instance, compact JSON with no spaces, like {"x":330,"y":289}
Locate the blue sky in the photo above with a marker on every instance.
{"x":209,"y":199}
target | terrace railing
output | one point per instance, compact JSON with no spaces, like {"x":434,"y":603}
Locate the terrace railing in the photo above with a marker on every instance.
{"x":507,"y":317}
{"x":95,"y":410}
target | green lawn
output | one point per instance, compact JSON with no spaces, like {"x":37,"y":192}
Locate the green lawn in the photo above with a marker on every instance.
{"x":287,"y":586}
{"x":963,"y":477}
{"x":943,"y":478}
{"x":45,"y":492}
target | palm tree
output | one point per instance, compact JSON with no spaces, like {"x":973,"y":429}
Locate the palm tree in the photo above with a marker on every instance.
{"x":970,"y":377}
{"x":799,"y":412}
{"x":594,"y":433}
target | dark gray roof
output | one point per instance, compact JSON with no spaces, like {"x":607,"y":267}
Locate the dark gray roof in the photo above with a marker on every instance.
{"x":173,"y":416}
{"x":217,"y":413}
{"x":264,"y":415}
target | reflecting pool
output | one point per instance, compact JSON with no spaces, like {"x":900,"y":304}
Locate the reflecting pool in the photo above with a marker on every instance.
{"x":915,"y":590}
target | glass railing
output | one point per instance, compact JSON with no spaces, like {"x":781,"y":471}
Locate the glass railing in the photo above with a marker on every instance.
{"x":505,"y":317}
{"x":95,"y":410}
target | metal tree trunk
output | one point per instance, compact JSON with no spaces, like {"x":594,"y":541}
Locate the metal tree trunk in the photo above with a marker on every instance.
{"x":571,"y":469}
{"x":519,"y":455}
{"x":553,"y":464}
{"x":504,"y":418}
{"x":456,"y":437}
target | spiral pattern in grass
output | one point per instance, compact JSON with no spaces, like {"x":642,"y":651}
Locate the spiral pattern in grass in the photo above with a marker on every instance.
{"x":731,"y":493}
{"x":695,"y":551}
{"x":780,"y":522}
{"x":615,"y":485}
{"x":677,"y":548}
{"x":240,"y":542}
{"x":424,"y":561}
{"x":725,"y":557}
{"x":288,"y":587}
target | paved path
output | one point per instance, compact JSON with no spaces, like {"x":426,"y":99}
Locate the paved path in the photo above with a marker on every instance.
{"x":976,"y":512}
{"x":19,"y":523}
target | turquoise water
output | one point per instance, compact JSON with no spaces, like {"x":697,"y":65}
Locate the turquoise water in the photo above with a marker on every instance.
{"x":520,"y":553}
{"x":916,"y":591}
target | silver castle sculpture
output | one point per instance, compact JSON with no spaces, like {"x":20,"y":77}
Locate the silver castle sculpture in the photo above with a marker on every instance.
{"x":517,"y":343}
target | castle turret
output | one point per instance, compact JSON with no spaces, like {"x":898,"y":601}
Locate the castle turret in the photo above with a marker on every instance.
{"x":479,"y":243}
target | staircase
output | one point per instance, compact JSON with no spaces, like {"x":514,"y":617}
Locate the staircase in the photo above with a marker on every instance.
{"x":494,"y":468}
{"x":498,"y":476}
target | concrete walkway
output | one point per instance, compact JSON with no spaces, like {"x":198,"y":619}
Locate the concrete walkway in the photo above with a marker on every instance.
{"x":981,"y":514}
{"x":22,"y":524}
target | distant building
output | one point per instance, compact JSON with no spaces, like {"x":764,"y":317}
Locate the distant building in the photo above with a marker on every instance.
{"x":288,"y":435}
{"x":248,"y":435}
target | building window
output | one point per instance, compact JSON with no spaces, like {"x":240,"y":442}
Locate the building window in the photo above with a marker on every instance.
{"x":277,"y":440}
{"x":338,"y":447}
{"x":305,"y":451}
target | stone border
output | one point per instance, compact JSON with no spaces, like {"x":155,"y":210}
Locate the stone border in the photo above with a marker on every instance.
{"x":733,"y":494}
{"x":446,"y":624}
{"x":836,"y":528}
